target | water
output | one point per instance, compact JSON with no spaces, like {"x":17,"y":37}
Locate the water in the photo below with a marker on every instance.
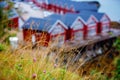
{"x":110,"y":7}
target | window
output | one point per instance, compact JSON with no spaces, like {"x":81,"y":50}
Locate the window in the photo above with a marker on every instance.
{"x":91,"y":22}
{"x":91,"y":31}
{"x":78,"y":25}
{"x":58,"y":40}
{"x":57,"y":30}
{"x":105,"y":19}
{"x":78,"y":35}
{"x":105,"y":28}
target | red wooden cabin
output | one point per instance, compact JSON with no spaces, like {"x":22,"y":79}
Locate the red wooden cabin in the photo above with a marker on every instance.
{"x":76,"y":26}
{"x":43,"y":31}
{"x":78,"y":29}
{"x":82,"y":25}
{"x":92,"y":26}
{"x":64,"y":6}
{"x":13,"y":19}
{"x":103,"y":21}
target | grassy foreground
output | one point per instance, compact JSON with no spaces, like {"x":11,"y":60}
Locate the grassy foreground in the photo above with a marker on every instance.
{"x":31,"y":64}
{"x":38,"y":64}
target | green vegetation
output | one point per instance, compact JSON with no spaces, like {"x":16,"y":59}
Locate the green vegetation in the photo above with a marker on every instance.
{"x":4,"y":18}
{"x":6,"y":40}
{"x":117,"y":74}
{"x":117,"y":71}
{"x":21,"y":65}
{"x":27,"y":64}
{"x":2,"y":47}
{"x":1,"y":25}
{"x":117,"y":43}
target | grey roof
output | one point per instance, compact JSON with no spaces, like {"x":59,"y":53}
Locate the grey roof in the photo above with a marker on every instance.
{"x":46,"y":23}
{"x":66,"y":19}
{"x":78,"y":6}
{"x":70,"y":18}
{"x":3,"y":4}
{"x":84,"y":6}
{"x":85,"y":17}
{"x":96,"y":14}
{"x":12,"y":13}
{"x":34,"y":24}
{"x":39,"y":24}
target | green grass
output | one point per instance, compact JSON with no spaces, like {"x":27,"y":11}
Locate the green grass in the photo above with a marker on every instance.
{"x":27,"y":64}
{"x":35,"y":64}
{"x":24,"y":65}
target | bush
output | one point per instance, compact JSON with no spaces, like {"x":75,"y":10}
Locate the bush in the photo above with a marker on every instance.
{"x":2,"y":47}
{"x":117,"y":43}
{"x":117,"y":72}
{"x":7,"y":38}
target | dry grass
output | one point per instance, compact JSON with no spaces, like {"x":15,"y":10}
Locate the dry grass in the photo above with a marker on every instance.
{"x":115,"y":25}
{"x":41,"y":63}
{"x":52,"y":63}
{"x":28,"y":64}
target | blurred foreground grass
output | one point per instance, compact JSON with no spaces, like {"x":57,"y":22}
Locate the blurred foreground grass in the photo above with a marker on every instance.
{"x":37,"y":64}
{"x":31,"y":64}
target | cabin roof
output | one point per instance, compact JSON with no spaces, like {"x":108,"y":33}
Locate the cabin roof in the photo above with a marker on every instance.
{"x":84,"y":17}
{"x":34,"y":24}
{"x":12,"y":13}
{"x":84,"y":6}
{"x":39,"y":24}
{"x":96,"y":14}
{"x":57,"y":1}
{"x":3,"y":4}
{"x":77,"y":5}
{"x":69,"y":18}
{"x":66,"y":19}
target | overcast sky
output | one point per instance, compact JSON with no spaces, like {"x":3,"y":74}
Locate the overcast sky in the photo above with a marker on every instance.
{"x":110,"y":7}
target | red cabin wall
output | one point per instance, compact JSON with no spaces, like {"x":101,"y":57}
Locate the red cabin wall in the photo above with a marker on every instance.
{"x":49,"y":7}
{"x":27,"y":35}
{"x":16,"y":23}
{"x":59,"y":9}
{"x":68,"y":34}
{"x":38,"y":4}
{"x":42,"y":38}
{"x":54,"y":8}
{"x":46,"y":6}
{"x":72,"y":34}
{"x":99,"y":27}
{"x":85,"y":31}
{"x":13,"y":23}
{"x":33,"y":1}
